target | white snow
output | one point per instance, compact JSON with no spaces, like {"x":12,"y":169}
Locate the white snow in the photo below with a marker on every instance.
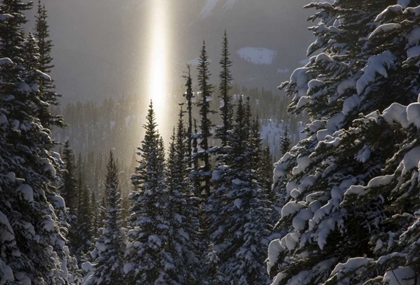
{"x":299,"y":221}
{"x":6,"y":273}
{"x":350,"y":265}
{"x":411,"y":159}
{"x":350,"y":103}
{"x":413,"y":37}
{"x":413,"y":10}
{"x":326,"y":227}
{"x":11,"y":176}
{"x":364,"y":154}
{"x":257,"y":55}
{"x":87,"y":266}
{"x":291,"y":208}
{"x":274,"y":249}
{"x":5,"y":60}
{"x":22,"y":278}
{"x":3,"y":119}
{"x":303,"y":163}
{"x":27,"y":192}
{"x":379,"y":245}
{"x":128,"y":267}
{"x":238,"y":203}
{"x":345,"y":85}
{"x":413,"y":114}
{"x":314,"y":84}
{"x":375,"y":64}
{"x":43,"y":75}
{"x":396,"y":113}
{"x":4,"y":17}
{"x":6,"y":234}
{"x":48,"y":224}
{"x":374,"y":182}
{"x":395,"y":9}
{"x":413,"y":51}
{"x":303,"y":101}
{"x":23,"y":87}
{"x":400,"y":276}
{"x":383,"y":29}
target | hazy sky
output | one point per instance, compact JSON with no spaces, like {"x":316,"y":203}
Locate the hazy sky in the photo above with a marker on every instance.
{"x":101,"y":46}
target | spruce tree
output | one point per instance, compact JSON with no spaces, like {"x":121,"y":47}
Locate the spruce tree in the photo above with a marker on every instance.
{"x":69,"y":191}
{"x":189,"y":95}
{"x":182,"y":228}
{"x":45,"y":65}
{"x":205,"y":89}
{"x":285,"y":141}
{"x":339,"y":203}
{"x":110,"y":245}
{"x":147,"y":258}
{"x":32,"y":245}
{"x":238,"y":211}
{"x":82,"y":225}
{"x":224,"y":88}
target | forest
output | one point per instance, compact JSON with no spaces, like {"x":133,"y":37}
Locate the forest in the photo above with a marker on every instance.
{"x":84,"y":199}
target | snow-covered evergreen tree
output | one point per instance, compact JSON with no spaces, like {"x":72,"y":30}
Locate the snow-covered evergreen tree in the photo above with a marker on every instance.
{"x":32,"y":246}
{"x":224,"y":88}
{"x":237,"y":211}
{"x":110,"y":245}
{"x":44,"y":64}
{"x":285,"y":141}
{"x":81,"y":224}
{"x":148,"y":260}
{"x":182,"y":213}
{"x":205,"y":89}
{"x":362,"y":67}
{"x":189,"y":95}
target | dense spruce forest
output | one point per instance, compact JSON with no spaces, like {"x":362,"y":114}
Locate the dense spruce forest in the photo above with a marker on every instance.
{"x":87,"y":198}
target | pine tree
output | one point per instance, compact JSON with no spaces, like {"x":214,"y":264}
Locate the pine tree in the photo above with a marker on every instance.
{"x":32,"y":245}
{"x":189,"y":95}
{"x":205,"y":124}
{"x":110,"y":245}
{"x":42,"y":34}
{"x":340,"y":177}
{"x":45,"y":65}
{"x":237,"y":211}
{"x":147,"y":258}
{"x":69,"y":191}
{"x":11,"y":28}
{"x":183,"y":227}
{"x":83,"y":227}
{"x":224,"y":88}
{"x":285,"y":141}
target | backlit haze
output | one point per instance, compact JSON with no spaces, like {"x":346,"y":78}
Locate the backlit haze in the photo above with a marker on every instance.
{"x":109,"y":48}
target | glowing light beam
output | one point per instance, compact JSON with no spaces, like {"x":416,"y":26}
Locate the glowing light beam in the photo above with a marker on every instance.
{"x":159,"y":59}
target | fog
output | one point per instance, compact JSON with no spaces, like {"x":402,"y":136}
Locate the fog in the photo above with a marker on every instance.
{"x":102,"y":48}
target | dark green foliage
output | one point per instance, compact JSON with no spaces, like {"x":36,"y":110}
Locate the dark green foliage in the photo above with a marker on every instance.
{"x":45,"y":65}
{"x":147,"y":253}
{"x":206,"y":90}
{"x":224,"y":88}
{"x":32,"y":226}
{"x":237,"y":209}
{"x":285,"y":141}
{"x":110,"y":245}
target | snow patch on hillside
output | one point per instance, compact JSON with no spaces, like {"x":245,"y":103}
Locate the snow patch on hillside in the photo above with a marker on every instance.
{"x":257,"y":55}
